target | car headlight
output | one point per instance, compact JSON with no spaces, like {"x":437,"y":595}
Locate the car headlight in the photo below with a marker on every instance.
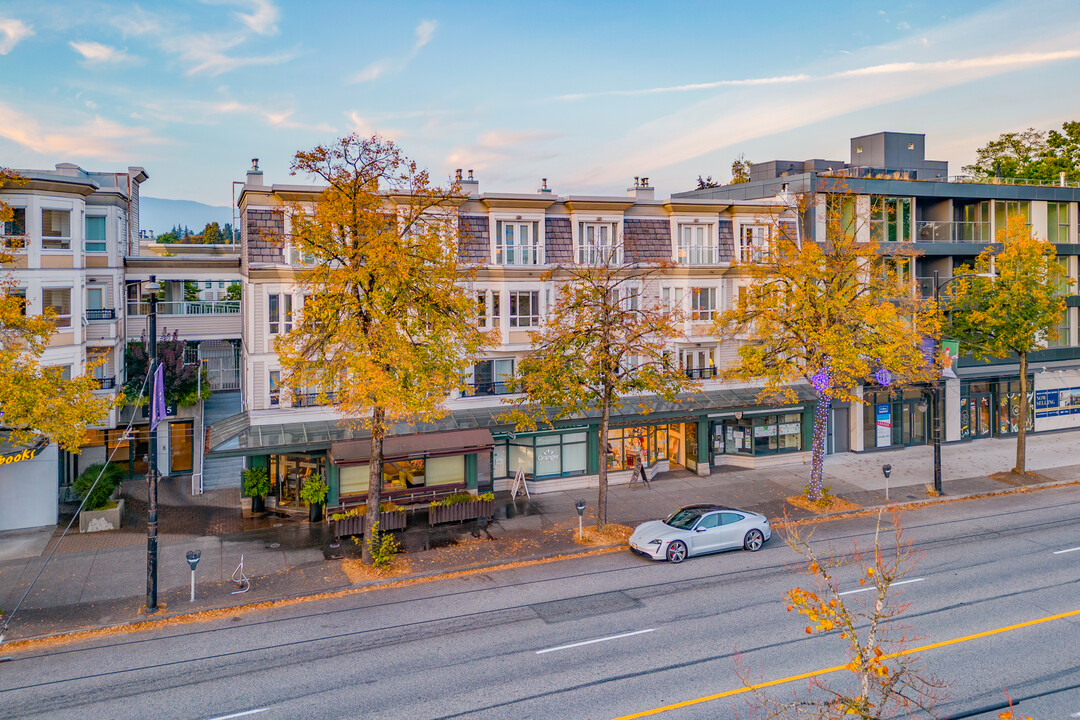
{"x":658,"y":543}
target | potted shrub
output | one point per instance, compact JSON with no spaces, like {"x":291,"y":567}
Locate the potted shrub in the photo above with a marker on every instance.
{"x":257,"y":486}
{"x":461,"y":506}
{"x":100,"y":511}
{"x":313,"y":493}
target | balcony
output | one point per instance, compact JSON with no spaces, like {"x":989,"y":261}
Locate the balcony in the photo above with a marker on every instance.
{"x":191,"y":319}
{"x":106,"y":383}
{"x":101,"y":314}
{"x":703,"y":373}
{"x":698,"y":255}
{"x":314,"y":399}
{"x":940,"y":231}
{"x":477,"y":389}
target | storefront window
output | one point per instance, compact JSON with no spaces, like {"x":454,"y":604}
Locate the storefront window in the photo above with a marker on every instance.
{"x":554,"y":455}
{"x":629,"y":447}
{"x":761,"y":435}
{"x":404,"y":475}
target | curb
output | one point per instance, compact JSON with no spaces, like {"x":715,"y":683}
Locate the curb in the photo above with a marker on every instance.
{"x":151,"y":623}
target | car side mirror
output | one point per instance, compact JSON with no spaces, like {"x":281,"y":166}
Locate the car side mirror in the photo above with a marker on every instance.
{"x":700,"y":529}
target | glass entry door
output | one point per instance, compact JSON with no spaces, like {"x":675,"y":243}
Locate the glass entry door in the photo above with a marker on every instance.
{"x":290,"y":473}
{"x":977,"y":416}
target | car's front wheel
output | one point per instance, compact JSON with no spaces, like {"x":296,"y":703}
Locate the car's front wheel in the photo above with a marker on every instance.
{"x":753,"y":540}
{"x":676,"y":552}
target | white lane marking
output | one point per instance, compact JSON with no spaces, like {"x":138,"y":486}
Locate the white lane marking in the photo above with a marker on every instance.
{"x":1060,"y":552}
{"x":598,"y":640}
{"x":901,"y":582}
{"x":241,"y":714}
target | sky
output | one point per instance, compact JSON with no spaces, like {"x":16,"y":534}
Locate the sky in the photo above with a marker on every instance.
{"x":586,"y":94}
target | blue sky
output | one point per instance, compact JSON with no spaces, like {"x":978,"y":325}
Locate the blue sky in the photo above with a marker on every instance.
{"x":585,"y":94}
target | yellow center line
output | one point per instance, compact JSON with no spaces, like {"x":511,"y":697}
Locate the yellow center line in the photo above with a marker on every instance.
{"x":826,"y":671}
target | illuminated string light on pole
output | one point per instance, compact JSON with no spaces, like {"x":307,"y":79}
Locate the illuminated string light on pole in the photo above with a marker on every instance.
{"x":822,"y":382}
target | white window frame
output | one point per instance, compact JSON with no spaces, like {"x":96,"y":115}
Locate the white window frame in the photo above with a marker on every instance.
{"x":755,"y":242}
{"x":703,"y":312}
{"x":589,"y":249}
{"x":63,"y":242}
{"x":522,"y":250}
{"x":5,"y":227}
{"x":104,"y":242}
{"x":533,"y":317}
{"x":63,"y":321}
{"x":697,"y":244}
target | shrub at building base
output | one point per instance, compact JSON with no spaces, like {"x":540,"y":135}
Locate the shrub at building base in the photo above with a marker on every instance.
{"x":314,"y":494}
{"x":353,"y":520}
{"x":256,"y":483}
{"x":96,"y":486}
{"x":460,"y":507}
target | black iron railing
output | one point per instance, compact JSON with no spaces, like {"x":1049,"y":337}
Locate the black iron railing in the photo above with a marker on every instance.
{"x":107,"y":383}
{"x":700,"y":373}
{"x":101,"y":314}
{"x":485,"y":388}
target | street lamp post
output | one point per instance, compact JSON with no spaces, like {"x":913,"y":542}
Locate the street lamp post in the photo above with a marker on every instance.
{"x":937,"y":380}
{"x":152,"y":468}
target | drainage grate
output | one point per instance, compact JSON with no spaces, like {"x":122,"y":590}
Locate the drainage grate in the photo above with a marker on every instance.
{"x":558,"y":611}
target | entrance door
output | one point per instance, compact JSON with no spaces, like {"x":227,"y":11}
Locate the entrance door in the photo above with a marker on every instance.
{"x":982,"y":415}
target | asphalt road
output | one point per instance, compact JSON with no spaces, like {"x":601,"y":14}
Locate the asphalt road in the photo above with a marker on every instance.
{"x":516,"y":644}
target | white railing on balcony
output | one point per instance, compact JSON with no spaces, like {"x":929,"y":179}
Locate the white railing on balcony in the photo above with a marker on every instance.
{"x":187,"y":307}
{"x":941,"y":231}
{"x":698,"y":255}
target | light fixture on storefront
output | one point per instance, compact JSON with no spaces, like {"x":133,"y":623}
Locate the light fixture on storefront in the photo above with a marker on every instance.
{"x":923,"y":407}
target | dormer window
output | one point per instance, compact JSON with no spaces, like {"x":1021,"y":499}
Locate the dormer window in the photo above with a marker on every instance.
{"x":518,"y":243}
{"x":598,"y":244}
{"x":696,"y":245}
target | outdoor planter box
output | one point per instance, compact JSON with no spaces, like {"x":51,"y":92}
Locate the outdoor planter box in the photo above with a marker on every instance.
{"x":460,"y":511}
{"x":354,"y":525}
{"x":96,"y":520}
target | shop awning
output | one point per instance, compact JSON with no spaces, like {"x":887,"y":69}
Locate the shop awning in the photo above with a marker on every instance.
{"x":459,"y":442}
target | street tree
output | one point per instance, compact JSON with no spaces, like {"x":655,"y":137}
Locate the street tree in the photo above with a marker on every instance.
{"x":605,"y":340}
{"x":387,"y":326}
{"x":212,"y":235}
{"x":34,"y":399}
{"x":1031,"y":154}
{"x":888,"y":678}
{"x":740,"y":170}
{"x":1015,"y":313}
{"x":835,"y":314}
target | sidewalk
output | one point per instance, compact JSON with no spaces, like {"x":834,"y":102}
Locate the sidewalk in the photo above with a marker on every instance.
{"x":99,"y":579}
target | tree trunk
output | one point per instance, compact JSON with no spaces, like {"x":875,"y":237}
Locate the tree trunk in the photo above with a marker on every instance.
{"x":1021,"y":433}
{"x":375,"y":473}
{"x":821,"y":431}
{"x":601,"y":501}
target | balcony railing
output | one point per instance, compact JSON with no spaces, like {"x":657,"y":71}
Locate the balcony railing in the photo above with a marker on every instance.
{"x":187,"y":307}
{"x":485,"y":388}
{"x":314,"y":399}
{"x":107,"y":383}
{"x":698,"y":255}
{"x":101,"y":314}
{"x":704,"y":373}
{"x":960,"y":231}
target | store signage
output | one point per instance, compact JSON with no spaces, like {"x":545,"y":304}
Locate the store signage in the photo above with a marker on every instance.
{"x":27,"y":454}
{"x":884,"y":425}
{"x":1052,"y":403}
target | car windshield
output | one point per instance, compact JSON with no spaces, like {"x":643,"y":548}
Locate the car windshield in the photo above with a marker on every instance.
{"x":684,"y":519}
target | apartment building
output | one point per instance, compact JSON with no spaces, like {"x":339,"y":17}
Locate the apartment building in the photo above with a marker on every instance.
{"x":513,"y":239}
{"x":77,"y":227}
{"x":903,"y":199}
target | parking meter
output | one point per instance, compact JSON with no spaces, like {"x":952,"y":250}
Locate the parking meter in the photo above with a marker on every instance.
{"x":886,"y":470}
{"x":580,"y":512}
{"x":193,"y":560}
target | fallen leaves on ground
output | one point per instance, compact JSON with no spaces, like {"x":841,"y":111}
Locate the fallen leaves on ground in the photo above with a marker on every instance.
{"x":1016,"y":479}
{"x":612,"y":534}
{"x":829,"y":503}
{"x":358,"y":572}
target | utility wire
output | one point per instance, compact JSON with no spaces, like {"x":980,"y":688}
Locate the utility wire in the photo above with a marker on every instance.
{"x":131,"y":447}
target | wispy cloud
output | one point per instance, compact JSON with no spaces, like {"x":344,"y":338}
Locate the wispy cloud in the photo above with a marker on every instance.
{"x":502,"y":149}
{"x":263,"y":17}
{"x":95,"y":53}
{"x":366,"y":127}
{"x":11,"y":32}
{"x":1007,"y":61}
{"x":425,"y":31}
{"x":206,"y":54}
{"x":135,"y":21}
{"x":98,"y":138}
{"x":209,"y":112}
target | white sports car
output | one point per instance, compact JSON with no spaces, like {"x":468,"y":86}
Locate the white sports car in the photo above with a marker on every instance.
{"x":700,"y":529}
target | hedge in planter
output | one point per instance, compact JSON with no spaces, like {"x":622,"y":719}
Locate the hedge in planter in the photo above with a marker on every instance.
{"x":351,"y":522}
{"x":98,"y":496}
{"x":460,"y":507}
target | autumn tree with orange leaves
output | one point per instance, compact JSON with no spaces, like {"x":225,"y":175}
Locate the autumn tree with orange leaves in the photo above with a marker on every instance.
{"x":836,"y":313}
{"x":888,"y":678}
{"x":606,"y":337}
{"x":388,"y":326}
{"x":35,"y":400}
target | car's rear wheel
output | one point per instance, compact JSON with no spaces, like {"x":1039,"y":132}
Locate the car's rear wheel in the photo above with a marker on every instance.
{"x":676,"y":552}
{"x":753,"y":540}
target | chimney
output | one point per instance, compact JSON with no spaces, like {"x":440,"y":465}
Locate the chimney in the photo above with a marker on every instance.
{"x":641,"y":189}
{"x":254,"y":174}
{"x":471,"y":186}
{"x":543,"y":187}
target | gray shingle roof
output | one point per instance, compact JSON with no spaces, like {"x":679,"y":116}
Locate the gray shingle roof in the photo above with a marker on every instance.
{"x":646,"y":240}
